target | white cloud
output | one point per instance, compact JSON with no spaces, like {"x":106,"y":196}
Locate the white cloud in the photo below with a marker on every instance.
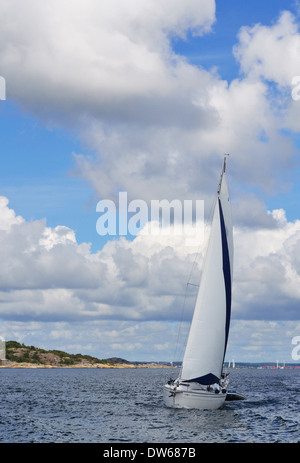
{"x":162,"y":157}
{"x":101,"y":55}
{"x":58,"y":235}
{"x":267,"y":274}
{"x":55,"y":292}
{"x":271,"y":52}
{"x":157,"y":124}
{"x":8,"y":218}
{"x":262,"y":341}
{"x":49,"y":276}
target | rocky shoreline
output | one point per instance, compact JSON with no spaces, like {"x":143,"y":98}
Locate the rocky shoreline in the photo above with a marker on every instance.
{"x":10,"y":364}
{"x":21,"y":356}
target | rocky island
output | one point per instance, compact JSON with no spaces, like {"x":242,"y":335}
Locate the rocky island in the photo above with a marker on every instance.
{"x":20,"y":356}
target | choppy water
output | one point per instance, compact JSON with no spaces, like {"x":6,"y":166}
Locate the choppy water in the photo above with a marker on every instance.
{"x":113,"y":406}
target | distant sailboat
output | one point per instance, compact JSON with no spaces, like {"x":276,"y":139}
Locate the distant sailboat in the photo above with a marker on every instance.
{"x":202,"y":383}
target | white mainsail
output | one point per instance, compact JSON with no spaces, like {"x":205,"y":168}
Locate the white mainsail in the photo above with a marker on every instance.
{"x":207,"y":341}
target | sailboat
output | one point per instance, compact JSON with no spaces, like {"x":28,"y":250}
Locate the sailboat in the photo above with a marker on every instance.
{"x":202,"y":383}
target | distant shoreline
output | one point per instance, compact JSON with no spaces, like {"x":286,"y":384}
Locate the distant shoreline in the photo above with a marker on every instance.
{"x":17,"y":355}
{"x":20,"y":356}
{"x":14,"y":365}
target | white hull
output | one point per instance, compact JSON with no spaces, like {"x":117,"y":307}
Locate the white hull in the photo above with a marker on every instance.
{"x":199,"y":399}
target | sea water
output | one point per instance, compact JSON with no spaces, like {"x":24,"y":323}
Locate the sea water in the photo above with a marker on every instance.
{"x":126,"y":406}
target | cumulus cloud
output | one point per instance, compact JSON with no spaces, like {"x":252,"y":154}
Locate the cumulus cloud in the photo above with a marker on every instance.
{"x":49,"y":276}
{"x":249,"y":211}
{"x":272,"y":54}
{"x":262,"y":340}
{"x":8,"y":217}
{"x":96,"y":57}
{"x":244,"y":117}
{"x":157,"y":124}
{"x":267,"y":276}
{"x":183,"y":162}
{"x":56,"y":290}
{"x":255,"y":50}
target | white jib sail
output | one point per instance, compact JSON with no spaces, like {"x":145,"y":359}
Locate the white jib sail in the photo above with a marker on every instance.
{"x":206,"y":345}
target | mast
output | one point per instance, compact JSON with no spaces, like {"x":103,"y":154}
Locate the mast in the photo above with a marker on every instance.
{"x":222,"y":173}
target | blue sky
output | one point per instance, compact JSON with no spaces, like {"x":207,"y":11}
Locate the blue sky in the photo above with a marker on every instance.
{"x":37,"y":173}
{"x":215,"y":49}
{"x":150,"y":109}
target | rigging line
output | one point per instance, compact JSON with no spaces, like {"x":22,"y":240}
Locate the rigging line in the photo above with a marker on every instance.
{"x":180,"y":324}
{"x":184,"y":303}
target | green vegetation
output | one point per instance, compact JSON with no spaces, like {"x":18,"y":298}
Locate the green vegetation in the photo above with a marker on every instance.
{"x":74,"y":358}
{"x":21,"y":353}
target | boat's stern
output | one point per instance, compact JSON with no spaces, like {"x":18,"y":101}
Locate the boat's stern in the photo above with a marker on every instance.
{"x":169,"y":395}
